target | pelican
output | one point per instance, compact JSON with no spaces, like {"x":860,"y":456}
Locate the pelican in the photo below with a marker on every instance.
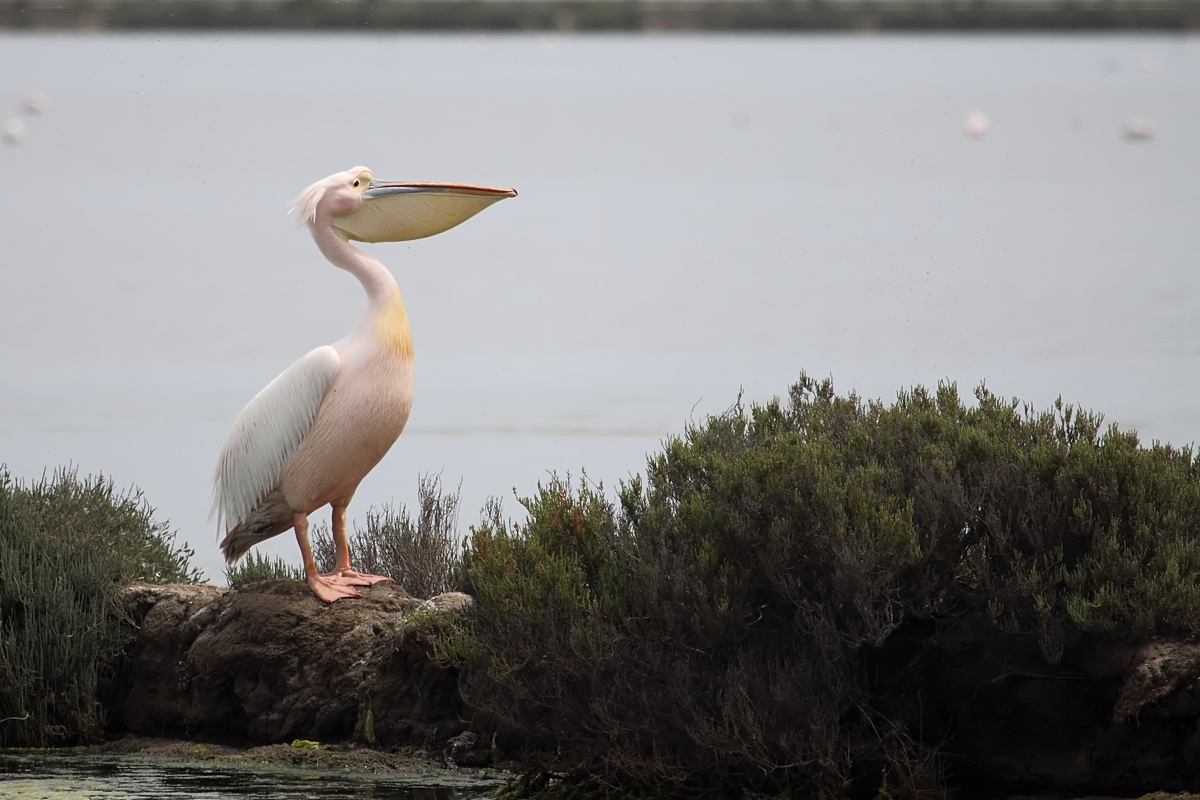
{"x":309,"y":438}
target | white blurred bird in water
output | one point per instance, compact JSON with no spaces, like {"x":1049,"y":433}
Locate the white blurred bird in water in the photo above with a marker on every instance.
{"x":976,"y":124}
{"x":35,"y":102}
{"x":14,"y":131}
{"x":1139,"y":129}
{"x":309,"y":438}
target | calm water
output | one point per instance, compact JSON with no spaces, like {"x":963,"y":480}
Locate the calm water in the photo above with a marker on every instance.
{"x":697,"y":215}
{"x":67,"y":776}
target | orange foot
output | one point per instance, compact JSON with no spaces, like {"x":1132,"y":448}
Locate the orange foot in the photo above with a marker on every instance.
{"x":348,"y":577}
{"x":329,"y":590}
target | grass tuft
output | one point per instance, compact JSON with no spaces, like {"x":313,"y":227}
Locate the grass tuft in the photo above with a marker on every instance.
{"x":255,"y":567}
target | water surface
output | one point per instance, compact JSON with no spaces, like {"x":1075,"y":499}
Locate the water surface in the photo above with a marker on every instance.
{"x":64,"y":775}
{"x":698,"y":216}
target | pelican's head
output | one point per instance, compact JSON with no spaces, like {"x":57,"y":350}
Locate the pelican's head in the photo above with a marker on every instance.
{"x":361,"y":208}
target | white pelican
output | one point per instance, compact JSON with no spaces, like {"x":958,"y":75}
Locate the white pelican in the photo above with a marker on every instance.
{"x":311,"y":436}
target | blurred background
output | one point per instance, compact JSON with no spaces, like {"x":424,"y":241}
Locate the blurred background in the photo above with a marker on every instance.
{"x":713,"y":198}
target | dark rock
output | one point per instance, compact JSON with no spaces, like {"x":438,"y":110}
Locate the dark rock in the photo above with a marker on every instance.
{"x":1159,"y":669}
{"x":1107,"y":718}
{"x":272,"y":663}
{"x":466,"y":750}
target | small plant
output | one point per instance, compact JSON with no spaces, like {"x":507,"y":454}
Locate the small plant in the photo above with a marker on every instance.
{"x":256,"y":567}
{"x":64,"y":544}
{"x":419,"y":555}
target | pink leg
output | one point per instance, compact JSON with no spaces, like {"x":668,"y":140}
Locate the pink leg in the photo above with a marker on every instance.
{"x":326,"y":590}
{"x":342,"y":573}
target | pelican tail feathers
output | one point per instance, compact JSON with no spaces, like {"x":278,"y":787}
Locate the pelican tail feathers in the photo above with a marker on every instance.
{"x":270,"y":518}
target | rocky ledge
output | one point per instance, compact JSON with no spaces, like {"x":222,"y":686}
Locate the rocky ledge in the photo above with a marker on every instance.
{"x":271,"y":663}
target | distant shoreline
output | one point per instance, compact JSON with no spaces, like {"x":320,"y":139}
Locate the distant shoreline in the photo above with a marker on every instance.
{"x":602,"y":15}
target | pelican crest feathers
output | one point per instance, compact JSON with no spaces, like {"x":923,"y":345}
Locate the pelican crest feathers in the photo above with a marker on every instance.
{"x":306,"y":203}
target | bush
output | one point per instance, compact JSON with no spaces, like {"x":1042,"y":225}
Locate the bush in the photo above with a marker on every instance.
{"x":714,"y":629}
{"x":64,"y":544}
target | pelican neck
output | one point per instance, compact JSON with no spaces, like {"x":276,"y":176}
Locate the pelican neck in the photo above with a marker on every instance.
{"x":374,"y":276}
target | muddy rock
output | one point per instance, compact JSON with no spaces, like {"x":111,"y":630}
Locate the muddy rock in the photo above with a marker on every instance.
{"x":1107,"y":718}
{"x":468,"y":750}
{"x":1160,"y":669}
{"x":272,"y":663}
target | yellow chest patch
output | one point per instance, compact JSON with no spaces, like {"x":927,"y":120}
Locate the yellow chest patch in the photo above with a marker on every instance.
{"x":391,"y":326}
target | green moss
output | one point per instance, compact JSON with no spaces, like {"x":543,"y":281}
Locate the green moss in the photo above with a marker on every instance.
{"x":369,"y":727}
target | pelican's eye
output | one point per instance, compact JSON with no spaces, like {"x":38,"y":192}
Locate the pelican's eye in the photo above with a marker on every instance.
{"x":355,"y":184}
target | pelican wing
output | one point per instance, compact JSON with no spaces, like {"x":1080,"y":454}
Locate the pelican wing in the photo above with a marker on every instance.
{"x":400,"y":211}
{"x":267,"y":433}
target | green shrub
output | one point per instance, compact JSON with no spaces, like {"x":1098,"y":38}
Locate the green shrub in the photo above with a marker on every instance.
{"x":712,"y":629}
{"x":64,"y":544}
